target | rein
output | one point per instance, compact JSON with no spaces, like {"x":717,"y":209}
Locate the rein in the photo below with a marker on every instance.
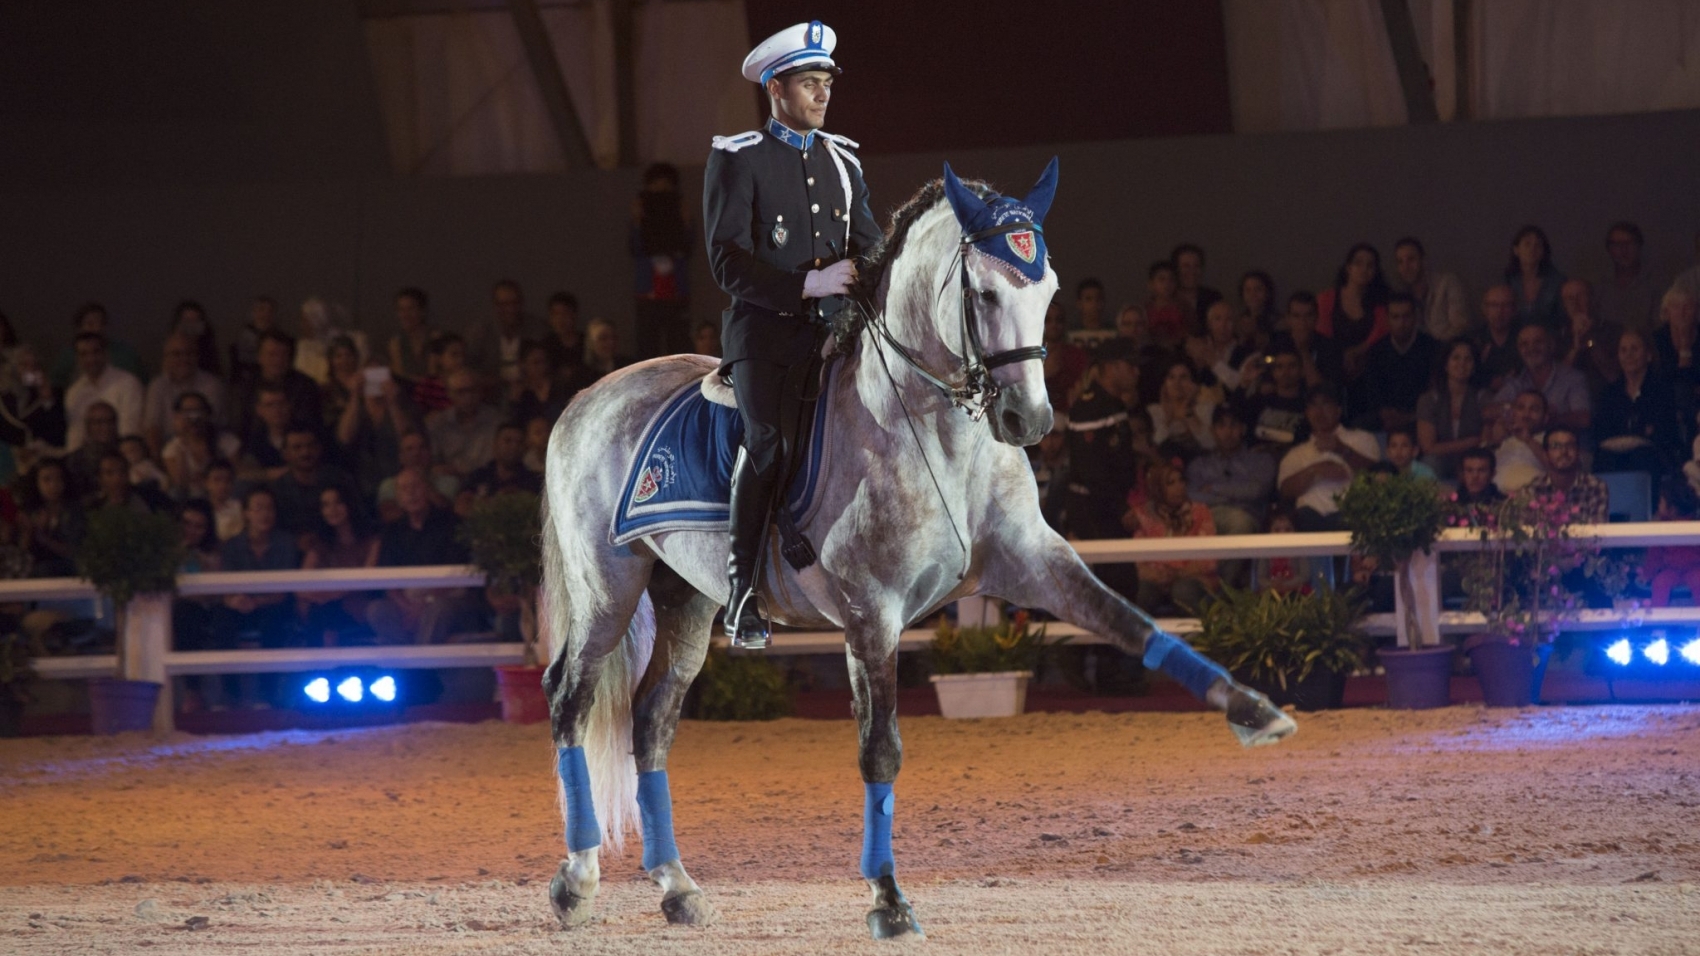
{"x":978,"y":389}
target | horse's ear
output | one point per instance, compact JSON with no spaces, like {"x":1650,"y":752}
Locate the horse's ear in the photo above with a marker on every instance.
{"x":1039,"y":198}
{"x":971,"y":212}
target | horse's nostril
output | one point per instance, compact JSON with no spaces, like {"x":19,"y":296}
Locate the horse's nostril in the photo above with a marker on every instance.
{"x":1011,"y":422}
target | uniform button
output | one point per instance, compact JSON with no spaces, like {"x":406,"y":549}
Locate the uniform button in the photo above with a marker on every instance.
{"x":817,"y":261}
{"x":814,"y":207}
{"x":817,"y":235}
{"x":811,"y":180}
{"x":805,"y":154}
{"x":778,"y":218}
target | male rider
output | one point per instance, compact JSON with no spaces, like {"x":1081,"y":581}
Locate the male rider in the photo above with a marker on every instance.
{"x":785,"y":210}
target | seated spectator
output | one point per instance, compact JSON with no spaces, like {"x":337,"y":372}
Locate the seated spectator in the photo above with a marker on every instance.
{"x":296,"y":492}
{"x":370,"y":430}
{"x":114,"y":490}
{"x":1629,"y":297}
{"x":1276,"y":417}
{"x":1443,"y":309}
{"x":1100,"y":446}
{"x":32,"y":419}
{"x":245,"y":350}
{"x":275,"y":370}
{"x":344,"y":384}
{"x":410,"y":348}
{"x":1321,"y":359}
{"x":1065,"y":362}
{"x":99,"y":382}
{"x":221,"y":495}
{"x":565,"y":342}
{"x":1257,"y":319}
{"x":144,"y":471}
{"x":1218,"y":355}
{"x":1399,"y":368}
{"x":1497,"y":358}
{"x":705,"y":338}
{"x":601,"y":352}
{"x":92,"y":318}
{"x":505,"y":473}
{"x":1314,"y":472}
{"x":1676,"y":337}
{"x":1353,"y":314}
{"x":1668,"y":568}
{"x":1586,"y":494}
{"x":538,"y":392}
{"x":1402,"y":453}
{"x":262,"y":447}
{"x":179,"y":376}
{"x":1450,"y":416}
{"x":192,"y":618}
{"x":1235,"y":482}
{"x":415,"y":453}
{"x":537,"y":432}
{"x":319,"y":335}
{"x":464,"y":434}
{"x":1165,"y":313}
{"x":1196,"y":297}
{"x":1180,"y":418}
{"x":257,"y":620}
{"x":1565,"y":389}
{"x":1535,"y":282}
{"x":100,"y":437}
{"x":194,"y":444}
{"x":1587,"y":345}
{"x":448,"y":356}
{"x":1090,"y":328}
{"x":341,"y":539}
{"x":1285,"y":575}
{"x":1641,"y":417}
{"x":1166,"y":586}
{"x":190,"y":321}
{"x":1131,"y":325}
{"x":424,"y":535}
{"x":1475,"y":479}
{"x":55,"y":519}
{"x":1519,"y":440}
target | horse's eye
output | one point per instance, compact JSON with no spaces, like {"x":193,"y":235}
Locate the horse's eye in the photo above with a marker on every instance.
{"x":988,"y":296}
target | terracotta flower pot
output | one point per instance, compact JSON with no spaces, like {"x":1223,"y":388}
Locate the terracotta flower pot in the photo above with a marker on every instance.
{"x":1510,"y":674}
{"x":521,"y":692}
{"x":1420,"y":679}
{"x":117,"y":706}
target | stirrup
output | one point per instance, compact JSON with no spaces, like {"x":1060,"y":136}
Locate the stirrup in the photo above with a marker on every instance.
{"x":755,"y":640}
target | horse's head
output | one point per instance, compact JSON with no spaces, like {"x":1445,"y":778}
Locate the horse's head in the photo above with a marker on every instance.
{"x":1009,"y":287}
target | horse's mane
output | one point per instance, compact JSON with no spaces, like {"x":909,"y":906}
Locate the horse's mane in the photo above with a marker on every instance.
{"x":928,"y":196}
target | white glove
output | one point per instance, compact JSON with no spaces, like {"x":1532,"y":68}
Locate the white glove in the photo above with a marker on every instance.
{"x":833,"y":280}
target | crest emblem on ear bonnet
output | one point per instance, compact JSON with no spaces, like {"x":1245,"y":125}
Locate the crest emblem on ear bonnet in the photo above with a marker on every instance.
{"x":1016,"y":237}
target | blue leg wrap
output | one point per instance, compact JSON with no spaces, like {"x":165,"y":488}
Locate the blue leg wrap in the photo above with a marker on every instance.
{"x":876,"y":832}
{"x":583,"y":832}
{"x":655,"y":804}
{"x":1177,"y":659}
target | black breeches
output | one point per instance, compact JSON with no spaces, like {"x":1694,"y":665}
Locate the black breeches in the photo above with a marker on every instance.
{"x":760,"y":388}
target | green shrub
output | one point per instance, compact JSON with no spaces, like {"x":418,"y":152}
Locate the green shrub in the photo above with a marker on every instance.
{"x":126,"y":553}
{"x":741,"y":687}
{"x":1280,"y":638}
{"x":504,"y":534}
{"x":1011,"y":646}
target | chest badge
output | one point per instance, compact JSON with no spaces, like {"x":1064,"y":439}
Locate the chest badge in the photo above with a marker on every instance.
{"x":780,"y":234}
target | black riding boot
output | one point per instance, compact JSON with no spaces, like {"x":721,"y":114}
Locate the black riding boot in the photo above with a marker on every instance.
{"x":752,"y":497}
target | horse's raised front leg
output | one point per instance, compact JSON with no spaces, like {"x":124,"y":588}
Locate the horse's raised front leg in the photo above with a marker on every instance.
{"x":683,"y":619}
{"x":872,"y":652}
{"x":1042,"y":571}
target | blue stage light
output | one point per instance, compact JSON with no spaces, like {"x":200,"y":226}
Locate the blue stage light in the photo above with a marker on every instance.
{"x":383,"y":688}
{"x":1620,"y":652}
{"x":1658,"y":652}
{"x":318,"y":690}
{"x":1691,"y":652}
{"x":351,"y":690}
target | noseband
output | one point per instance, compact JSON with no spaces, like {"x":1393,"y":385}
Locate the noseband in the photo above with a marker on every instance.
{"x":978,"y":389}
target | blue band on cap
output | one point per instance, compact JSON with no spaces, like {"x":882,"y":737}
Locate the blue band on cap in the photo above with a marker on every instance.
{"x":1177,"y":659}
{"x":655,"y":806}
{"x":795,"y":60}
{"x":877,"y":807}
{"x":583,"y":832}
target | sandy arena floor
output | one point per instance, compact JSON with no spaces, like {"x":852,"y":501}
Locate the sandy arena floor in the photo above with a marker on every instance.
{"x":1564,"y":830}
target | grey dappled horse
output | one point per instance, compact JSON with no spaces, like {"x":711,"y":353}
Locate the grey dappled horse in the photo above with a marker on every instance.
{"x":630,"y":625}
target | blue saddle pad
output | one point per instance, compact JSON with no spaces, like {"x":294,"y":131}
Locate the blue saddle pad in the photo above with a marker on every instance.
{"x":680,"y":479}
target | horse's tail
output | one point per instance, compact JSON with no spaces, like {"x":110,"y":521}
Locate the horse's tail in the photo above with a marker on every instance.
{"x":607,"y":737}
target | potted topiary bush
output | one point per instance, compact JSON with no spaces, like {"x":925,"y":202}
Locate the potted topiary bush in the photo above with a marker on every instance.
{"x":983,"y":671}
{"x":1298,"y":648}
{"x":1395,"y":520}
{"x":739,"y":687}
{"x":504,"y":534}
{"x":132,"y":557}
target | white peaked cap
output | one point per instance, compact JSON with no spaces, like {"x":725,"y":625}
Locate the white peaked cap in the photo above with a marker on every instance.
{"x":804,"y":46}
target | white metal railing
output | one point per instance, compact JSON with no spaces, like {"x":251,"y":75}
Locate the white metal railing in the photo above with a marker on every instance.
{"x":164,"y":662}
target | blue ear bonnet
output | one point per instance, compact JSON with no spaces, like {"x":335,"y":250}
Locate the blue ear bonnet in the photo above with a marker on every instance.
{"x":1010,"y":231}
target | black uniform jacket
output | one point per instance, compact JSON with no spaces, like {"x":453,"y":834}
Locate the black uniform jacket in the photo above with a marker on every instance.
{"x":1102,"y":465}
{"x":773,"y":212}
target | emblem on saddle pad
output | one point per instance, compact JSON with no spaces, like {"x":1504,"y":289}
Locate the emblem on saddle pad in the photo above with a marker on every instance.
{"x":1024,"y":245}
{"x":659,"y":475}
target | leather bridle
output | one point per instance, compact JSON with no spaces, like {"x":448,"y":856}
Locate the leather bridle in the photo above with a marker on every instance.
{"x":978,"y":389}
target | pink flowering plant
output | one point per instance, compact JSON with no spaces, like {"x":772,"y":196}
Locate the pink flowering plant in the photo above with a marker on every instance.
{"x":1517,"y":580}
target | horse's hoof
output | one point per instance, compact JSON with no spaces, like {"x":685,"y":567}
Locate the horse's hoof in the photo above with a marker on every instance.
{"x":1256,"y":721}
{"x":571,"y":909}
{"x":688,"y":909}
{"x":894,"y":922}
